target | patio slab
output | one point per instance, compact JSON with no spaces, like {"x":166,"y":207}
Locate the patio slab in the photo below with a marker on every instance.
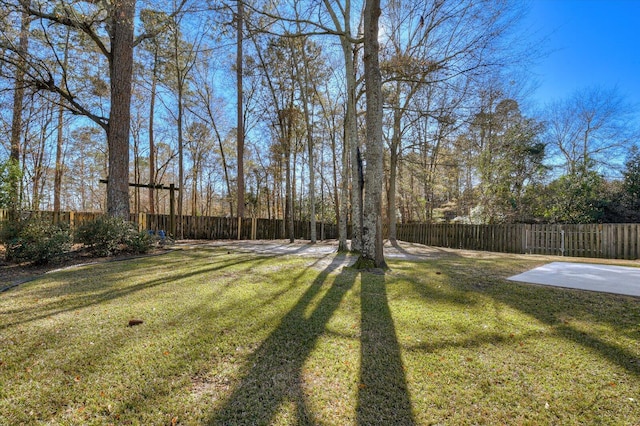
{"x":585,"y":276}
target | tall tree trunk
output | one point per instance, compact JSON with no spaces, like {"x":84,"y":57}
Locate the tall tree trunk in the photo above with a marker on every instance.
{"x":121,"y":64}
{"x":351,"y":141}
{"x":393,"y":167}
{"x":59,"y":171}
{"x":136,"y":172}
{"x":38,"y":161}
{"x":336,"y":193}
{"x":344,"y":197}
{"x":289,"y":195}
{"x":240,"y":136}
{"x":312,"y":189}
{"x":351,"y":130}
{"x":180,"y":162}
{"x":304,"y":87}
{"x":152,"y":142}
{"x":57,"y":178}
{"x":16,"y":123}
{"x":372,"y":243}
{"x":224,"y":163}
{"x":194,"y":191}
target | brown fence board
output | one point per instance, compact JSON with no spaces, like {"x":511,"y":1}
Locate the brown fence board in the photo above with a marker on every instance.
{"x":614,"y":241}
{"x":198,"y":227}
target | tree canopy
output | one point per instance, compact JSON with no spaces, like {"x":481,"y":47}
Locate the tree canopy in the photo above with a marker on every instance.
{"x":265,"y":108}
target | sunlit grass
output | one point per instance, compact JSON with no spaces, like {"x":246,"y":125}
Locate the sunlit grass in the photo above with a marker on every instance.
{"x":232,"y":338}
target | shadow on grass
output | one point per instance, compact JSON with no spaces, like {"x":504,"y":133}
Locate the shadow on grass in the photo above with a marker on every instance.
{"x":383,"y":397}
{"x":275,"y":372}
{"x":82,"y":296}
{"x":434,"y":252}
{"x":556,"y":308}
{"x":567,"y":305}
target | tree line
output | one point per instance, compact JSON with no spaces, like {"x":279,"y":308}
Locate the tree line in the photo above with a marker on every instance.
{"x":343,"y":110}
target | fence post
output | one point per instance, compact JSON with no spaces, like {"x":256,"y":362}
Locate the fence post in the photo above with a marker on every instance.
{"x":141,"y":222}
{"x":254,"y":228}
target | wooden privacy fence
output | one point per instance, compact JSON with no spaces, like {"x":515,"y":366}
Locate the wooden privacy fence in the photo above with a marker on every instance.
{"x":610,"y":241}
{"x":198,"y":227}
{"x":224,"y":228}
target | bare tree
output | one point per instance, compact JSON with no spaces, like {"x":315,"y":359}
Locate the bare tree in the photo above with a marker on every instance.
{"x":432,"y":48}
{"x":591,"y":129}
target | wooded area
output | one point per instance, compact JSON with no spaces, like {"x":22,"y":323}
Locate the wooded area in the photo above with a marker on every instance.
{"x":379,"y":114}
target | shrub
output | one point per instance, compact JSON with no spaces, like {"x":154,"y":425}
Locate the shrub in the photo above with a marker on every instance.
{"x":36,"y":241}
{"x":107,"y":236}
{"x":139,"y":242}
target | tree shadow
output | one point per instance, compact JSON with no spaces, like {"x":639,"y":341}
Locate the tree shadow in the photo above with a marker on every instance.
{"x":621,"y":312}
{"x":560,"y":309}
{"x":274,"y":374}
{"x":383,"y":396}
{"x":88,"y":293}
{"x":413,"y":256}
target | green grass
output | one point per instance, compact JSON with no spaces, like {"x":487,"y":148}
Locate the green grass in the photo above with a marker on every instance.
{"x":232,"y":338}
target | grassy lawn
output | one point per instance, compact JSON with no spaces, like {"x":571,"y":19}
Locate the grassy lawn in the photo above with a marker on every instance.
{"x":236,"y":338}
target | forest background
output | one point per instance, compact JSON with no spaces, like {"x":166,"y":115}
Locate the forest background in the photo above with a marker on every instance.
{"x":461,"y":139}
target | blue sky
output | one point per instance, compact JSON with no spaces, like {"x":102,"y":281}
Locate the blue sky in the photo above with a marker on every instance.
{"x":591,"y":43}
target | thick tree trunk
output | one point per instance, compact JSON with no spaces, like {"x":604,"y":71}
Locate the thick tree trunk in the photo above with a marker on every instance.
{"x":372,"y":244}
{"x":118,"y":130}
{"x":240,"y":144}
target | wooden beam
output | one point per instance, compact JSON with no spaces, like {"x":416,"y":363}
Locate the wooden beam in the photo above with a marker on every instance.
{"x":142,"y":185}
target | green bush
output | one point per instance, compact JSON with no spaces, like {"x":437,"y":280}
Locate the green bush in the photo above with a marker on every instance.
{"x":36,"y":241}
{"x":107,"y":236}
{"x":10,"y":230}
{"x":139,"y":242}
